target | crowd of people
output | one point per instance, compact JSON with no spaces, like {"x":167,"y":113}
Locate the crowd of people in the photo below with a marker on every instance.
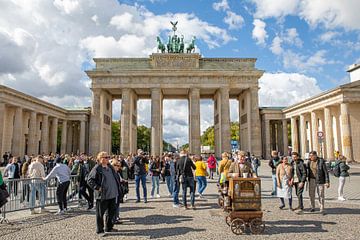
{"x":104,"y":179}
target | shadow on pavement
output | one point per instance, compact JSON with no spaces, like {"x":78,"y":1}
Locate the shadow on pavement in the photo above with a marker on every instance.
{"x":292,"y":226}
{"x":159,"y":219}
{"x":127,"y":209}
{"x":156,"y":233}
{"x":336,"y":211}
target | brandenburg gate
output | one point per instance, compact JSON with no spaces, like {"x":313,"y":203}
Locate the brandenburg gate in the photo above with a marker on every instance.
{"x":174,"y":76}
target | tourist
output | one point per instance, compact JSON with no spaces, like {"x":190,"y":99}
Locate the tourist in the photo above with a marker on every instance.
{"x":224,"y":167}
{"x":119,"y":199}
{"x":106,"y":182}
{"x":140,"y":173}
{"x":299,"y":179}
{"x":241,"y":168}
{"x":12,"y":171}
{"x":155,"y":169}
{"x":167,"y":173}
{"x":184,"y":171}
{"x":342,"y":169}
{"x":84,"y":167}
{"x":37,"y":173}
{"x":124,"y":172}
{"x":211,"y":165}
{"x":255,"y":163}
{"x":284,"y":180}
{"x":200,"y":174}
{"x":318,"y":178}
{"x":25,"y":198}
{"x":273,"y":163}
{"x":62,"y":173}
{"x":3,"y":192}
{"x":175,"y":177}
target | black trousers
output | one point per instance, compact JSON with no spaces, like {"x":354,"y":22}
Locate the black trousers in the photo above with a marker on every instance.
{"x":103,"y":206}
{"x":89,"y":197}
{"x":61,"y":192}
{"x":299,"y":193}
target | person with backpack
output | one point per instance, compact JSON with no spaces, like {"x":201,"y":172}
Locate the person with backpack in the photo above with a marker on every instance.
{"x":211,"y":165}
{"x":273,"y":163}
{"x":224,"y":167}
{"x":341,"y":171}
{"x":184,"y":172}
{"x":255,"y":163}
{"x":155,"y":169}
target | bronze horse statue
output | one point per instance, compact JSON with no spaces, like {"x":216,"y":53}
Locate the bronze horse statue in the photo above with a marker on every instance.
{"x":160,"y":46}
{"x":191,"y":46}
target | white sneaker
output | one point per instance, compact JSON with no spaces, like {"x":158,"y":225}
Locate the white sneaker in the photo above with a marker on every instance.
{"x":341,"y":199}
{"x":152,"y":196}
{"x":176,"y":206}
{"x":60,"y":212}
{"x":32,"y":211}
{"x":158,"y":195}
{"x":43,"y":210}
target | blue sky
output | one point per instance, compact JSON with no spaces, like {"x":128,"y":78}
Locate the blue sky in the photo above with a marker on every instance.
{"x":304,"y":46}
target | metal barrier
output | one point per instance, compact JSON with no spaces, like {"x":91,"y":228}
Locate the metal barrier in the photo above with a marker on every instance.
{"x":31,"y":193}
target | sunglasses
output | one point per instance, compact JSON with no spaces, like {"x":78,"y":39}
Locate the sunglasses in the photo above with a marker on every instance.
{"x":107,"y":157}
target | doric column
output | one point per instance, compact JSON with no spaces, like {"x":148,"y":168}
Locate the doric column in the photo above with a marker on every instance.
{"x":314,"y":128}
{"x":63,"y":137}
{"x":2,"y":129}
{"x":225,"y":136}
{"x":32,"y":134}
{"x":17,"y":133}
{"x":285,"y":136}
{"x":254,"y":122}
{"x":267,"y":139}
{"x":194,"y":121}
{"x":125,"y":121}
{"x":302,"y":135}
{"x":95,"y":126}
{"x":70,"y":138}
{"x":346,"y":140}
{"x":329,"y":142}
{"x":54,"y":131}
{"x":45,"y":134}
{"x":156,"y":137}
{"x":82,"y":136}
{"x":294,"y":135}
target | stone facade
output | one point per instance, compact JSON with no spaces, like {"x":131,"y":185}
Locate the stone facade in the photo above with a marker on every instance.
{"x":183,"y":76}
{"x":30,"y":126}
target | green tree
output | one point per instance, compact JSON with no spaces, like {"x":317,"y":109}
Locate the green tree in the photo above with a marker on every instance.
{"x":208,"y":137}
{"x":143,"y":138}
{"x":234,"y":129}
{"x":115,"y":137}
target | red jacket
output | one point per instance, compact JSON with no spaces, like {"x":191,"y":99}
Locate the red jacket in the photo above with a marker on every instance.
{"x":211,"y":162}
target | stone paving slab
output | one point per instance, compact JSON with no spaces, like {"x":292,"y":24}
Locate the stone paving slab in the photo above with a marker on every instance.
{"x":159,"y":220}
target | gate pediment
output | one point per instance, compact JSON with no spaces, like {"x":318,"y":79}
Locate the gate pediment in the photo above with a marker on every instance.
{"x":175,"y":61}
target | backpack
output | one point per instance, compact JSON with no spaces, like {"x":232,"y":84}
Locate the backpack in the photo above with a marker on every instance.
{"x":337,"y":170}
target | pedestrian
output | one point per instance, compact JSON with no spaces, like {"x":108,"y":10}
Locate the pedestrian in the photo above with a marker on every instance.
{"x":211,"y":165}
{"x":241,"y":168}
{"x":119,"y":199}
{"x":155,"y":169}
{"x":184,"y":171}
{"x":62,"y":173}
{"x":124,"y":168}
{"x":12,"y":171}
{"x":224,"y":167}
{"x":255,"y":163}
{"x":284,"y":180}
{"x":84,"y":167}
{"x":299,"y":179}
{"x":318,"y":178}
{"x":37,"y":185}
{"x":140,"y":171}
{"x":200,"y":174}
{"x":273,"y":163}
{"x":105,"y":182}
{"x":167,"y":173}
{"x":341,"y":171}
{"x":175,"y":177}
{"x":3,"y":192}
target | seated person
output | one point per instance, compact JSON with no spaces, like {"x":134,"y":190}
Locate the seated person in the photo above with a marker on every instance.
{"x":241,"y":167}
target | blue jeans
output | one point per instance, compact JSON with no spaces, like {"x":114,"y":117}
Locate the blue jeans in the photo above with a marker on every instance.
{"x":155,"y":183}
{"x":170,"y":184}
{"x":189,"y":182}
{"x":273,"y":176}
{"x":176,"y":190}
{"x":38,"y":186}
{"x":202,"y":183}
{"x":141,"y":178}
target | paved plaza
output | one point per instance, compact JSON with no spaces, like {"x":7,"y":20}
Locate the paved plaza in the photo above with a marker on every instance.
{"x":158,"y":219}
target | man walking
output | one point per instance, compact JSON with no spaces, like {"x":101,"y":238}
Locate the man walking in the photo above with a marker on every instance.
{"x":84,"y":168}
{"x":62,"y":173}
{"x":106,"y":183}
{"x":37,"y":173}
{"x":184,"y":168}
{"x":318,"y":178}
{"x":140,"y":174}
{"x":273,"y":163}
{"x":299,"y":178}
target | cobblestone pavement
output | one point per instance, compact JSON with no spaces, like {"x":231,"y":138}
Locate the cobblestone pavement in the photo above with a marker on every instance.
{"x":158,"y":219}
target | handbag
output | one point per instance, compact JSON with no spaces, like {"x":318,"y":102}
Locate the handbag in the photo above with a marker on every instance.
{"x":181,"y":176}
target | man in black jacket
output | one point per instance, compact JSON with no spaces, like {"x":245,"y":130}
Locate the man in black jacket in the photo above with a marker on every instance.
{"x":318,"y":178}
{"x":299,"y":178}
{"x":106,"y":183}
{"x":140,"y":174}
{"x":184,"y":171}
{"x":273,"y":163}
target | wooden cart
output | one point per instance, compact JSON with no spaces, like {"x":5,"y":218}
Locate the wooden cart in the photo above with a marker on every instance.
{"x":244,"y":205}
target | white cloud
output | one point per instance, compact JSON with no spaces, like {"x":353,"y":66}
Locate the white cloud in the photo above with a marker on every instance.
{"x":328,"y":36}
{"x":291,"y":37}
{"x":284,"y":89}
{"x":330,"y":14}
{"x":221,"y":6}
{"x":233,"y":20}
{"x":276,"y":46}
{"x":302,"y":63}
{"x":67,"y":6}
{"x":259,"y":32}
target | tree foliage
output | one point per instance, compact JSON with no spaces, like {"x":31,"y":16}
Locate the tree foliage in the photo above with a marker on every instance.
{"x":115,"y":137}
{"x":208,"y":137}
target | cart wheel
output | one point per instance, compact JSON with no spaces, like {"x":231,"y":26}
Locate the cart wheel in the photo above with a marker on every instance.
{"x":257,"y":226}
{"x":228,"y":220}
{"x":238,"y":226}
